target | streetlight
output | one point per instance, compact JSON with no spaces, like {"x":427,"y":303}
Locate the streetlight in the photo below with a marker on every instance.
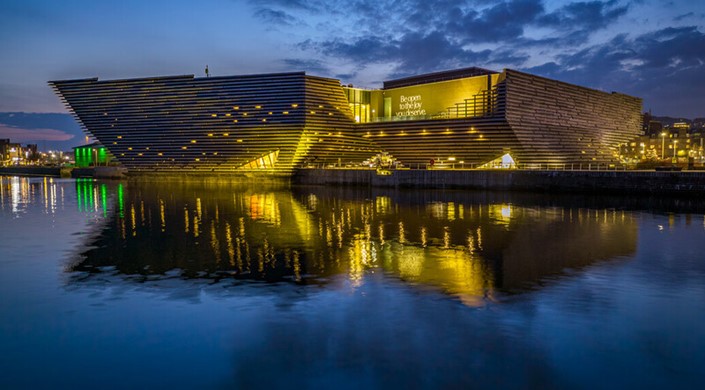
{"x":663,"y":145}
{"x":675,"y":148}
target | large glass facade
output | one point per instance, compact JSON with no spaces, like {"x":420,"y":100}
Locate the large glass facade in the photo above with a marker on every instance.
{"x":359,"y":101}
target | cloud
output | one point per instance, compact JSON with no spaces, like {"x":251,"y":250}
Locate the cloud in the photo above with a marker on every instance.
{"x":52,"y":131}
{"x":365,"y":49}
{"x":306,"y":5}
{"x":683,"y":16}
{"x":584,"y":15}
{"x":276,"y":17}
{"x":308,"y":65}
{"x":666,"y":66}
{"x":21,"y":135}
{"x":435,"y":35}
{"x":503,"y":21}
{"x":413,"y":52}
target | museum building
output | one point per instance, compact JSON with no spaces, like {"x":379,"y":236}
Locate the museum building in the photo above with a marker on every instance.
{"x":281,"y":122}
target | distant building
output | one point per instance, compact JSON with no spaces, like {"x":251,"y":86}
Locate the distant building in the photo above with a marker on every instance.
{"x":16,"y":154}
{"x":281,"y":122}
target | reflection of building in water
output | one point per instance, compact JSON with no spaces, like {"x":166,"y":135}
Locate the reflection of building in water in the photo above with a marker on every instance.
{"x":572,"y":238}
{"x":466,"y":247}
{"x":209,"y":232}
{"x":470,"y":248}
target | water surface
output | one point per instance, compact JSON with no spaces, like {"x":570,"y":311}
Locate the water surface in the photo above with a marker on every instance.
{"x":215,"y":284}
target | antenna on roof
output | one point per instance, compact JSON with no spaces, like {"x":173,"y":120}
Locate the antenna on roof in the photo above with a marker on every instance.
{"x":207,"y":73}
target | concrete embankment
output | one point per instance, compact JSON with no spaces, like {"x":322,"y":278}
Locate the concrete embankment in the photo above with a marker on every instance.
{"x":636,"y":182}
{"x":35,"y":171}
{"x":100,"y":172}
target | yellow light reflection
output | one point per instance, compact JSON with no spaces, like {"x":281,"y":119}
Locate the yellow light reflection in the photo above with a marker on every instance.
{"x":229,"y":243}
{"x":215,"y":243}
{"x":186,"y":221}
{"x":162,"y":212}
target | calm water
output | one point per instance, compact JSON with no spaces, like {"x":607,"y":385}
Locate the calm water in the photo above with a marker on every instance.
{"x":128,"y":284}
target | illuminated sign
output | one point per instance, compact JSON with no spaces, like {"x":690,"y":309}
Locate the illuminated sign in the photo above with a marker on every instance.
{"x":411,"y":106}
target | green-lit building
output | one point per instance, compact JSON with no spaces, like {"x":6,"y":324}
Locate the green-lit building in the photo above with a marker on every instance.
{"x":91,"y":155}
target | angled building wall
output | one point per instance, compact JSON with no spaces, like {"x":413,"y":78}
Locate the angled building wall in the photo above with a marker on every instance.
{"x":280,"y":122}
{"x":557,"y":122}
{"x":171,"y":124}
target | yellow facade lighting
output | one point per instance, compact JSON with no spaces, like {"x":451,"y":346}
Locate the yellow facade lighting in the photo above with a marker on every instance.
{"x":258,"y":107}
{"x":294,"y":105}
{"x":285,"y":112}
{"x":226,"y":134}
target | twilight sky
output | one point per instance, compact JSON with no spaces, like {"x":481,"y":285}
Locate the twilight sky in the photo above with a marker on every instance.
{"x":654,"y":49}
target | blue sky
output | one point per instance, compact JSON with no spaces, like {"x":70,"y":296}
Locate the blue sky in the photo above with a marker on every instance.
{"x":652,"y":49}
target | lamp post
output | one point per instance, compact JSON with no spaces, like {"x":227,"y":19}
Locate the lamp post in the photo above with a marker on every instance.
{"x":663,"y":145}
{"x":675,"y":149}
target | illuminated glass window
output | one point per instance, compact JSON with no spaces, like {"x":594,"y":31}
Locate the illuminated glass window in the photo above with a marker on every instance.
{"x":359,"y":103}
